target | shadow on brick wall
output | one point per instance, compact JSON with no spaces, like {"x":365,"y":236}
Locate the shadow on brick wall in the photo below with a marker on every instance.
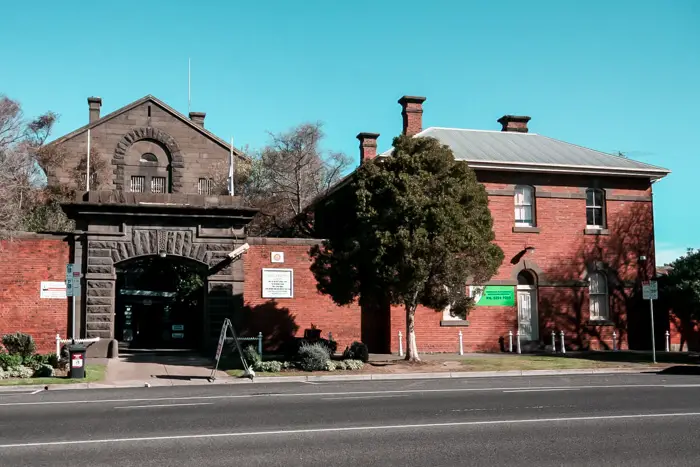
{"x":276,"y":323}
{"x":616,"y":253}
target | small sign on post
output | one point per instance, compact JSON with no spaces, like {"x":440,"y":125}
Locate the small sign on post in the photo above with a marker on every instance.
{"x":650,"y":291}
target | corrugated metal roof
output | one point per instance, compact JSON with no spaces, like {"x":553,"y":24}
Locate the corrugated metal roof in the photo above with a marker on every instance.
{"x":533,"y":152}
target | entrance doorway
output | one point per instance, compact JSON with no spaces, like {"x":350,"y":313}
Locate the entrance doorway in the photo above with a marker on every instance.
{"x":528,"y":324}
{"x":160,"y":303}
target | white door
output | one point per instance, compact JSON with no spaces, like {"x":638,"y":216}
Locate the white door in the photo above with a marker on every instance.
{"x":527,"y":315}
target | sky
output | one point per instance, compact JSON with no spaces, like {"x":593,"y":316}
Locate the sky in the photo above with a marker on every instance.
{"x":613,"y":76}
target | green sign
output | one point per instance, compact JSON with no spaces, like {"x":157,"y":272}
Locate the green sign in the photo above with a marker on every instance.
{"x":494,"y":295}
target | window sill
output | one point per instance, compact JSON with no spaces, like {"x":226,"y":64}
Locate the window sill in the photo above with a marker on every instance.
{"x":599,"y":322}
{"x":524,"y":229}
{"x":455,"y":323}
{"x":595,"y":231}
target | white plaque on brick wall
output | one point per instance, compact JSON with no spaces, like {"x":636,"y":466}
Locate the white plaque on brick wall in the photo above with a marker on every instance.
{"x":277,"y":257}
{"x":52,"y":290}
{"x":277,"y":283}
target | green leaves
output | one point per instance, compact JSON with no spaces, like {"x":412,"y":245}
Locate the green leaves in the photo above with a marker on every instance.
{"x":414,"y":227}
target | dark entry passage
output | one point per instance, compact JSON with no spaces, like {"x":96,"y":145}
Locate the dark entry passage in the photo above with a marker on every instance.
{"x":160,"y":303}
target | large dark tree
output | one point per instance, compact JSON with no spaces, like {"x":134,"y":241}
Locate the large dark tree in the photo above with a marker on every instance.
{"x":413,"y":227}
{"x":680,"y":290}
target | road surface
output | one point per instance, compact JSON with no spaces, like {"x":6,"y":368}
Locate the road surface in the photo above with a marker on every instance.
{"x":634,"y":420}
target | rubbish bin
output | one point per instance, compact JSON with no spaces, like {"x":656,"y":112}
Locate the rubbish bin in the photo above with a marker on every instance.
{"x":77,"y":361}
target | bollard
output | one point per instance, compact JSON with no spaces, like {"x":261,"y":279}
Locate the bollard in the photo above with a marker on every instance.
{"x":461,"y":346}
{"x":400,"y":344}
{"x":58,"y":345}
{"x":554,"y":342}
{"x":614,"y":336}
{"x":260,"y":344}
{"x":510,"y":341}
{"x":668,"y":341}
{"x":517,"y":340}
{"x":563,"y":346}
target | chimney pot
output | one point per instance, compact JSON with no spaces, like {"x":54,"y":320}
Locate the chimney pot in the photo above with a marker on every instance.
{"x":198,"y":118}
{"x":368,"y":146}
{"x":412,"y":113}
{"x":94,"y":105}
{"x":514,"y":123}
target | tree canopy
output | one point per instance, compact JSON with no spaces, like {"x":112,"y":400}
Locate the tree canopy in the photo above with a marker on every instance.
{"x":680,"y":288}
{"x":413,"y":228}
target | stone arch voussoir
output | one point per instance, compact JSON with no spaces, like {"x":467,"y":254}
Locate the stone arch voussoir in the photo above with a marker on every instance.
{"x":149,"y":133}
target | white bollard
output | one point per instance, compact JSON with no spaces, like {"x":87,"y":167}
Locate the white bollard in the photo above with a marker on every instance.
{"x":510,"y":341}
{"x":614,"y":336}
{"x":400,"y":344}
{"x":563,"y":345}
{"x":461,"y":345}
{"x":58,"y":345}
{"x":668,"y":341}
{"x":554,"y":342}
{"x":517,"y":340}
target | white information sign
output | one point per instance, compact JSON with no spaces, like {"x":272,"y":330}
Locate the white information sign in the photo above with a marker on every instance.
{"x":278,"y":283}
{"x":650,"y":290}
{"x":53,"y":290}
{"x":277,"y":257}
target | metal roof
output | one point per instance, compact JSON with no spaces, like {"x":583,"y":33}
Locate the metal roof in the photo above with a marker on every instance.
{"x":499,"y":150}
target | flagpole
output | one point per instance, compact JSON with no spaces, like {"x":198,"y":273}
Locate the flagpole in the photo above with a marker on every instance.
{"x":87,"y":175}
{"x":230,"y":171}
{"x":189,"y":85}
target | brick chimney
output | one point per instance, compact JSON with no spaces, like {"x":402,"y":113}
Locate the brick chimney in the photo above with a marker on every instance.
{"x":514,"y":123}
{"x":412,"y":114}
{"x":368,"y":146}
{"x":198,"y":118}
{"x":94,"y":104}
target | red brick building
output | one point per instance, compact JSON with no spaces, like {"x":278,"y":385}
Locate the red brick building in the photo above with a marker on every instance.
{"x":575,"y":224}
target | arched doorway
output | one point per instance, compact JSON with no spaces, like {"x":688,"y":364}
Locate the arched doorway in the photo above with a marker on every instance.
{"x":160,"y":302}
{"x":528,"y":323}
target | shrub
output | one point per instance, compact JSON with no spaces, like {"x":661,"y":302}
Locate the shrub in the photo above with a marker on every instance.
{"x":288,"y":365}
{"x":19,"y":344}
{"x":251,"y":356}
{"x":8,"y":361}
{"x":21,"y":372}
{"x":331,"y":365}
{"x":340,"y":365}
{"x":269,"y":367}
{"x":3,"y":374}
{"x":313,"y":357}
{"x":51,"y":359}
{"x":356,"y":351}
{"x":354,"y":364}
{"x":32,"y":361}
{"x":43,"y":371}
{"x":331,"y":346}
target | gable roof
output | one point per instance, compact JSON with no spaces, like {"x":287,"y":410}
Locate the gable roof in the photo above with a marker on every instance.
{"x":530,"y":152}
{"x":162,"y":105}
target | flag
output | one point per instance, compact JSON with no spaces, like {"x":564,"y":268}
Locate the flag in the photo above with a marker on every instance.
{"x":230,"y":171}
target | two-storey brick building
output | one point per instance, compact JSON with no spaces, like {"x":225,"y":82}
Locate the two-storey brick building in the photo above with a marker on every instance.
{"x":576,"y":226}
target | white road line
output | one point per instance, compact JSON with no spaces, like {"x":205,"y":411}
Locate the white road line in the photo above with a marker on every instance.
{"x":542,"y":390}
{"x":162,"y":405}
{"x":363,"y":397}
{"x":37,"y":391}
{"x":351,"y":429}
{"x":346,"y":393}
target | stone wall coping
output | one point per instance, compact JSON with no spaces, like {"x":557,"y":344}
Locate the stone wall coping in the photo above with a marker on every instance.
{"x":283,"y":241}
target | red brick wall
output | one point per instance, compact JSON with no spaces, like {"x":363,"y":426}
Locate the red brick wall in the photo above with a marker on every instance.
{"x":24,"y":263}
{"x":308,"y":306}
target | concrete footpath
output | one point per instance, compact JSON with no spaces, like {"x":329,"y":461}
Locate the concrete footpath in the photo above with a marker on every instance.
{"x":223,"y":378}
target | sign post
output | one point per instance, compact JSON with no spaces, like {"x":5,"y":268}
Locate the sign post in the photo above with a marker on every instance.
{"x":73,"y":276}
{"x":650,"y":291}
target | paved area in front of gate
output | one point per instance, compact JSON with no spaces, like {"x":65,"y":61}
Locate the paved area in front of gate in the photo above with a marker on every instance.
{"x":160,"y":370}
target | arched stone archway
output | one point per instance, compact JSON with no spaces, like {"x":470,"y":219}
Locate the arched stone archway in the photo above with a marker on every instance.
{"x":153,"y":134}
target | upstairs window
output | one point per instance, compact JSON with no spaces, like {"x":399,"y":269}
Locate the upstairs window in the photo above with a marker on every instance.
{"x":595,"y":208}
{"x":524,"y":206}
{"x":138,"y":184}
{"x":205,"y":186}
{"x":598,"y":292}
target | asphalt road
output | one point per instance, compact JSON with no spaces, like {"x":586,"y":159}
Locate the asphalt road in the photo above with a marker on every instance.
{"x":586,"y":420}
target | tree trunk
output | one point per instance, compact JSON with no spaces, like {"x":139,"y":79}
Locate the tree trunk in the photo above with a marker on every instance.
{"x":411,"y":346}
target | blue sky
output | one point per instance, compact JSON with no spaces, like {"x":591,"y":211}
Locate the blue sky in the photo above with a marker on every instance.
{"x":620,"y":75}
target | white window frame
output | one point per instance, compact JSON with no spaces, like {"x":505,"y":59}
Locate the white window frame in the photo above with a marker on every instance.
{"x":601,"y":312}
{"x":594,"y":206}
{"x":520,"y":200}
{"x":205,"y":186}
{"x":138,"y":181}
{"x":159,"y":185}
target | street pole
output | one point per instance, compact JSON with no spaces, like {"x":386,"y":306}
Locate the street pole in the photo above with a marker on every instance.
{"x":72,"y":331}
{"x":653,"y":339}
